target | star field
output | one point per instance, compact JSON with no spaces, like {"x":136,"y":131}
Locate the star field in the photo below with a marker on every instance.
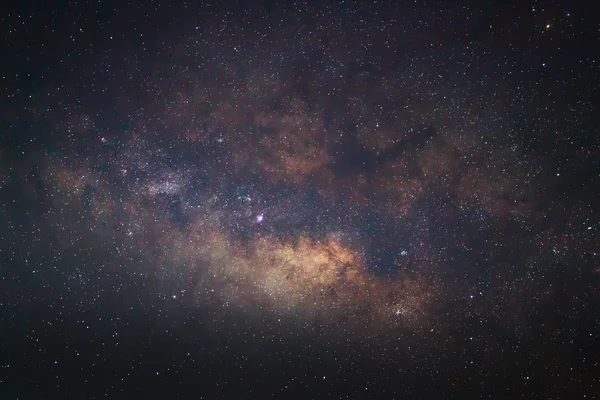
{"x":346,"y":200}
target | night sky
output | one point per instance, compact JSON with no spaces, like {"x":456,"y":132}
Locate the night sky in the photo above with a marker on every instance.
{"x":326,"y":200}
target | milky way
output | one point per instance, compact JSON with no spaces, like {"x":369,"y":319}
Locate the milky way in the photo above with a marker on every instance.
{"x":375,"y":175}
{"x":302,"y":178}
{"x":315,"y":177}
